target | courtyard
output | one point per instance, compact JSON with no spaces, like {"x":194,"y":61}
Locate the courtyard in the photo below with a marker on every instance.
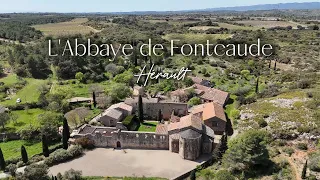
{"x":129,"y":162}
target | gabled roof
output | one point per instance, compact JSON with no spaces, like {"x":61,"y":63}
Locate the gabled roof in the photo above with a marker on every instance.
{"x":112,"y":113}
{"x":121,"y":105}
{"x":210,"y":110}
{"x":187,"y":121}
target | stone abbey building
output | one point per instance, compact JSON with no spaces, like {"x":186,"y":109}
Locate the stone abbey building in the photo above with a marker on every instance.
{"x":189,"y":137}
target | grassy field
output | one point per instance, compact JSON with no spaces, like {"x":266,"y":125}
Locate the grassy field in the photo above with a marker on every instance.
{"x":148,"y":127}
{"x":12,"y":149}
{"x":9,"y":79}
{"x":196,"y":38}
{"x":29,"y":93}
{"x":25,"y":118}
{"x":65,"y":28}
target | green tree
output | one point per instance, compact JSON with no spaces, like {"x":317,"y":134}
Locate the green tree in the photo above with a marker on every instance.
{"x":79,"y":76}
{"x":4,"y":119}
{"x":140,"y":109}
{"x":65,"y":134}
{"x":118,"y":91}
{"x":224,"y":175}
{"x":24,"y":154}
{"x":2,"y":161}
{"x":304,"y":170}
{"x":194,"y":101}
{"x":247,"y":151}
{"x":45,"y":148}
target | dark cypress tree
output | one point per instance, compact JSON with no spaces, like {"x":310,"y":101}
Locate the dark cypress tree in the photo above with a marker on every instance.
{"x":223,"y":144}
{"x":159,"y":118}
{"x":304,"y":170}
{"x":140,"y":109}
{"x":275,"y":65}
{"x":94,"y":99}
{"x":24,"y":154}
{"x":45,"y":148}
{"x":2,"y":161}
{"x":193,"y":175}
{"x":65,"y":134}
{"x":257,"y":86}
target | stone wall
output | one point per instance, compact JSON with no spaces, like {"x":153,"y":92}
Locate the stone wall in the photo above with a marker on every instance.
{"x":152,"y":109}
{"x":130,"y":139}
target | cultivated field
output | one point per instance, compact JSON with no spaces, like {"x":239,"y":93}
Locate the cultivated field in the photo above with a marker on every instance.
{"x":65,"y":28}
{"x":196,"y":38}
{"x":269,"y":24}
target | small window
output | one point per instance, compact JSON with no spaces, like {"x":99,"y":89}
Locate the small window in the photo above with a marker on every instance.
{"x":214,"y":124}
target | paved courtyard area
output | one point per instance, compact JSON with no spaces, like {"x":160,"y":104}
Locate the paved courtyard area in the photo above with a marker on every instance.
{"x":129,"y":162}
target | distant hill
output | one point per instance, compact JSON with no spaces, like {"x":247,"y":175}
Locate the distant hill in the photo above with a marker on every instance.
{"x":282,"y":6}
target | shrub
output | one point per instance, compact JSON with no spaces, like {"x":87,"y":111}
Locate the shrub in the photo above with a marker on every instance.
{"x":235,"y":114}
{"x":85,"y":143}
{"x":288,"y":150}
{"x":72,"y":175}
{"x":224,"y":175}
{"x":63,"y":155}
{"x":34,"y":171}
{"x":262,"y":123}
{"x":11,"y":168}
{"x":130,"y":122}
{"x":302,"y":146}
{"x":314,"y":162}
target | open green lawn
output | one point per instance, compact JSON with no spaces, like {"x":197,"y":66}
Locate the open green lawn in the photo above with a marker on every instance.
{"x":148,"y":127}
{"x":25,"y":118}
{"x":9,"y":79}
{"x":29,"y":93}
{"x":74,"y":90}
{"x":12,"y":149}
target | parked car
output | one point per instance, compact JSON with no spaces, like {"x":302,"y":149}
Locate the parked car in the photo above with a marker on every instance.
{"x":18,"y":100}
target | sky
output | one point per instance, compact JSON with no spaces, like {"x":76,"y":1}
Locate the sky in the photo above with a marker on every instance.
{"x":9,"y":6}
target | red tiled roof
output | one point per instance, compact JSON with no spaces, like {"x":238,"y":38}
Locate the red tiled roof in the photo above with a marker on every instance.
{"x":187,"y":121}
{"x":162,"y":129}
{"x":213,"y":110}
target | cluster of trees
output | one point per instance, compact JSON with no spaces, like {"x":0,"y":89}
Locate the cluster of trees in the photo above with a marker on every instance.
{"x":17,"y":26}
{"x":18,"y":32}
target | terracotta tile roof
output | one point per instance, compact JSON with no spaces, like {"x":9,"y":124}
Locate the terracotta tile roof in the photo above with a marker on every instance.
{"x":213,"y":110}
{"x":209,"y":110}
{"x":215,"y":95}
{"x":162,"y":129}
{"x":187,"y":121}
